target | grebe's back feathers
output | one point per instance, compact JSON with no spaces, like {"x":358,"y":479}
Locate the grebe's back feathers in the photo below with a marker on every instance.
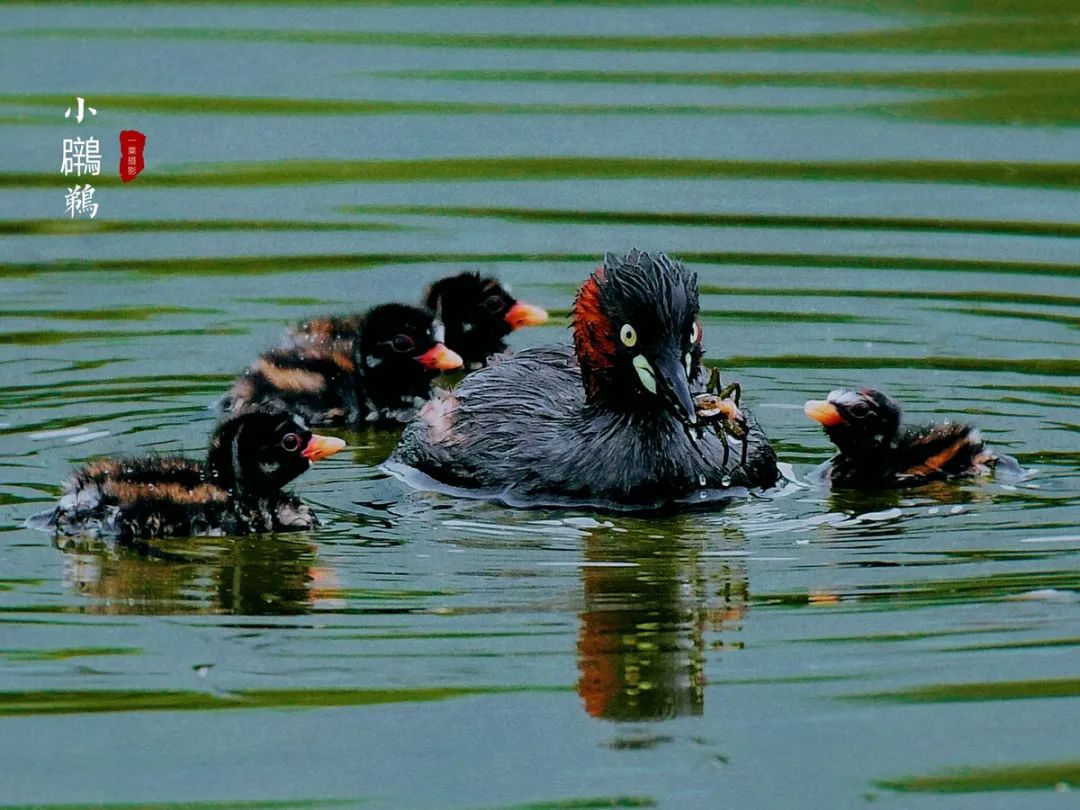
{"x":147,"y":497}
{"x":947,"y":449}
{"x":521,"y":430}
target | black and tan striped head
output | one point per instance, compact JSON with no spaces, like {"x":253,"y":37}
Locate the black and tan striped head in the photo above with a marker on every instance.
{"x":399,"y":336}
{"x":478,"y":312}
{"x":857,"y":422}
{"x":257,"y":452}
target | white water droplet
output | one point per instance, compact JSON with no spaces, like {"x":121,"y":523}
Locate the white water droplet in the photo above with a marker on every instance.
{"x":1044,"y":595}
{"x":57,"y":434}
{"x":701,"y":480}
{"x":1065,"y":538}
{"x":877,"y":517}
{"x":87,"y":437}
{"x":726,"y":480}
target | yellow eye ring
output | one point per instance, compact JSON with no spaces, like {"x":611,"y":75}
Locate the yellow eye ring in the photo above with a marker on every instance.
{"x":628,"y":335}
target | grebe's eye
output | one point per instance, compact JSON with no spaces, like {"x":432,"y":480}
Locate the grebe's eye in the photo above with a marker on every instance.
{"x":290,"y":442}
{"x":695,"y":332}
{"x":403,"y":343}
{"x":859,"y":410}
{"x":628,"y":335}
{"x":494,"y":304}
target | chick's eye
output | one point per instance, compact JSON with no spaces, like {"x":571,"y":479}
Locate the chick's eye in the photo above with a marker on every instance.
{"x":403,"y":343}
{"x":494,"y":304}
{"x":290,"y":442}
{"x":695,"y":332}
{"x":859,"y":410}
{"x":628,"y":335}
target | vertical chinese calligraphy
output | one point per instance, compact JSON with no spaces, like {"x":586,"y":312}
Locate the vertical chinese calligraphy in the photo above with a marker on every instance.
{"x":80,"y":201}
{"x":79,"y":112}
{"x":81,"y":156}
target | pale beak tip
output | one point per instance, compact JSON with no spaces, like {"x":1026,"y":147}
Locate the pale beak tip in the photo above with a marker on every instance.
{"x":320,"y":447}
{"x":823,"y":412}
{"x":522,"y":314}
{"x":441,"y":358}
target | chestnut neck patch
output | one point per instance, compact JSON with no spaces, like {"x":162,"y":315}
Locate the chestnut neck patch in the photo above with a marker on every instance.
{"x":594,"y":340}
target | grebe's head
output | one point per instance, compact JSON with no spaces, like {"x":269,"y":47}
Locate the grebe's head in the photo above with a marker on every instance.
{"x":637,"y":334}
{"x":260,"y":450}
{"x":856,"y":421}
{"x":397,"y":337}
{"x":468,"y":303}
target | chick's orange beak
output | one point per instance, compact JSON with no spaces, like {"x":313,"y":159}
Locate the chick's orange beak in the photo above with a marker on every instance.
{"x":522,"y":314}
{"x":440,"y":358}
{"x":824,"y":412}
{"x":320,"y":447}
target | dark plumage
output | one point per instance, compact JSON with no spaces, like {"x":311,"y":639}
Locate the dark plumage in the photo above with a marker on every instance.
{"x":607,"y":422}
{"x":875,"y":452}
{"x":237,"y":490}
{"x":377,"y":367}
{"x":477,"y":314}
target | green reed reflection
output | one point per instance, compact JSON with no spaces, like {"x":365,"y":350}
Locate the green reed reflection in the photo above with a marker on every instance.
{"x":727,"y":220}
{"x":1049,"y":776}
{"x":59,"y":227}
{"x":475,"y":169}
{"x":327,"y":261}
{"x":250,"y":804}
{"x":130,"y":700}
{"x":1026,"y":96}
{"x":1028,"y":34}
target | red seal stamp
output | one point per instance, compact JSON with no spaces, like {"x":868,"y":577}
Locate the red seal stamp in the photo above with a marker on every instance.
{"x":131,"y":154}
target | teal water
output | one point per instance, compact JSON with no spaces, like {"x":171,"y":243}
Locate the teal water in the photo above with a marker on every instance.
{"x":880,"y":196}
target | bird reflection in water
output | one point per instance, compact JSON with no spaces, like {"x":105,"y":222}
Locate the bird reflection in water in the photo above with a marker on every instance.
{"x":641,"y":642}
{"x":251,"y":576}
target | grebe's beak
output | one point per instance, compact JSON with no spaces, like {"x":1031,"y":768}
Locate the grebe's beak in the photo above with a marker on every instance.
{"x":440,"y":358}
{"x":522,"y":314}
{"x":824,"y":412}
{"x":320,"y":447}
{"x":675,"y":387}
